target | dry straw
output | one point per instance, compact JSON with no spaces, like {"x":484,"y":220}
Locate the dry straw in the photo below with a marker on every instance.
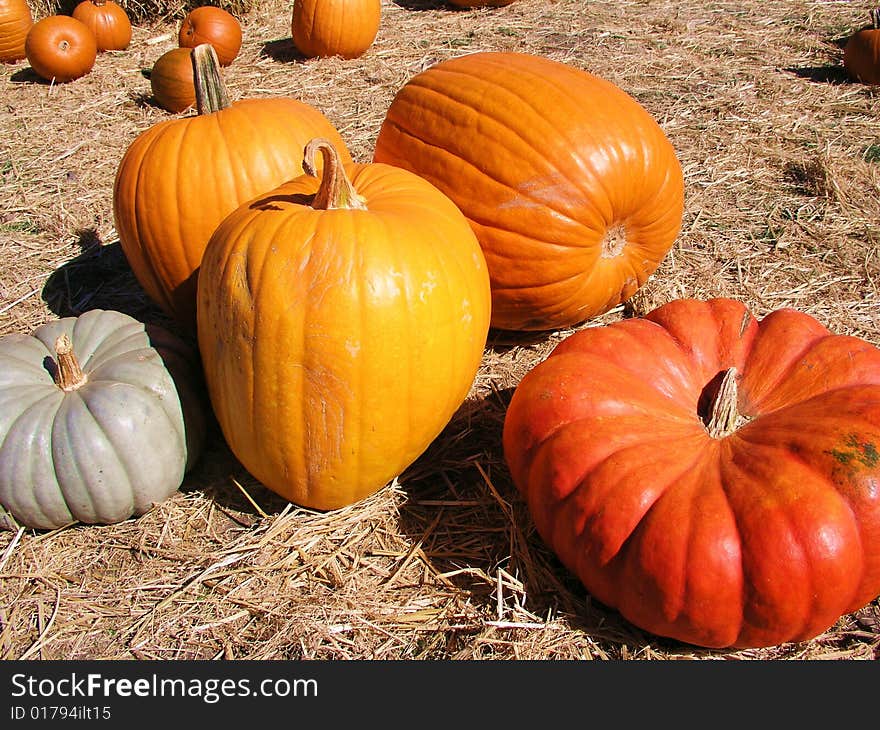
{"x":781,"y":156}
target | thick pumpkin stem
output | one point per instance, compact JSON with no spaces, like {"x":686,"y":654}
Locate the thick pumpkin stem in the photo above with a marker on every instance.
{"x":724,"y":418}
{"x":335,"y":189}
{"x":211,"y":93}
{"x":875,"y":18}
{"x":70,"y":375}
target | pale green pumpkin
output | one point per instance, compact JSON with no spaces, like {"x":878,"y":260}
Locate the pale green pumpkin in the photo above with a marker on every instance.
{"x":100,"y":433}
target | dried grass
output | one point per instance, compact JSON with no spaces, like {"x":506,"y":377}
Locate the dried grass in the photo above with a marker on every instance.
{"x":781,"y":156}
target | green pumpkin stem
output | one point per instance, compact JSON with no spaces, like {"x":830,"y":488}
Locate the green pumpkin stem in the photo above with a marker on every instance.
{"x":724,"y":418}
{"x":335,"y":189}
{"x":875,"y":18}
{"x":211,"y":93}
{"x":70,"y":375}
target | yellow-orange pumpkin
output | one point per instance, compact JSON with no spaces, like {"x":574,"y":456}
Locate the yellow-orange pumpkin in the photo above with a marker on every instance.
{"x":573,"y":189}
{"x":179,"y":178}
{"x":341,"y":323}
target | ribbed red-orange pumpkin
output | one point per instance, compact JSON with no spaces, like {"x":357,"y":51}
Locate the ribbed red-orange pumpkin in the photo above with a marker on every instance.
{"x":573,"y":189}
{"x":108,"y":21}
{"x":15,"y":22}
{"x":714,"y":477}
{"x":179,"y":178}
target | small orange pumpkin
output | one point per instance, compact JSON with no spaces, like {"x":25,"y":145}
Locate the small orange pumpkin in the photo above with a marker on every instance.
{"x":108,"y":21}
{"x":861,"y":54}
{"x":60,"y":48}
{"x":15,"y":22}
{"x":346,"y":28}
{"x":210,"y":24}
{"x":171,"y":80}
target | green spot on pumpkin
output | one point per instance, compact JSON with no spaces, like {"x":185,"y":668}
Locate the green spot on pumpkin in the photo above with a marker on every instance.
{"x":863,"y":452}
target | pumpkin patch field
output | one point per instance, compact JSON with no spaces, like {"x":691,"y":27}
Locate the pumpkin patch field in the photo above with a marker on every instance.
{"x":440,"y":330}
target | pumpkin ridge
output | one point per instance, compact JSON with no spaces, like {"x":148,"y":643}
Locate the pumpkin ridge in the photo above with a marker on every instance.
{"x":242,"y":176}
{"x":148,"y":263}
{"x":616,"y":96}
{"x":687,"y":417}
{"x":42,"y":411}
{"x":809,"y":592}
{"x":105,"y":349}
{"x":24,"y":362}
{"x":173,"y":414}
{"x":77,"y":401}
{"x":674,"y":606}
{"x":464,"y":163}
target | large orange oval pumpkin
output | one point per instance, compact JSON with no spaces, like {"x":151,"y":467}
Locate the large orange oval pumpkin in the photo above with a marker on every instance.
{"x":573,"y":189}
{"x":15,"y":22}
{"x":179,"y":178}
{"x":341,"y":323}
{"x":713,"y":477}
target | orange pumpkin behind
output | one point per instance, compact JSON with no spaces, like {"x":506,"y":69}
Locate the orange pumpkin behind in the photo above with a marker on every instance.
{"x":345,"y":28}
{"x":861,"y":54}
{"x":175,"y":183}
{"x":108,"y":21}
{"x":15,"y":22}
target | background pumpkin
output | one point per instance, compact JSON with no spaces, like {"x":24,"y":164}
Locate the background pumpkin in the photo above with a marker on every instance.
{"x":187,"y":160}
{"x":719,"y":509}
{"x":341,"y":324}
{"x":346,"y":28}
{"x":479,"y":3}
{"x":15,"y":22}
{"x":573,"y":190}
{"x":171,"y":80}
{"x":210,"y":24}
{"x":108,"y":21}
{"x":98,"y":432}
{"x":60,"y":48}
{"x":861,"y":53}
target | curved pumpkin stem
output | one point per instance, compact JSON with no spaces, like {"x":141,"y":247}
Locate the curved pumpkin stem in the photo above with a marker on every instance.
{"x":70,"y":375}
{"x":335,"y":189}
{"x":724,"y":417}
{"x":211,"y":93}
